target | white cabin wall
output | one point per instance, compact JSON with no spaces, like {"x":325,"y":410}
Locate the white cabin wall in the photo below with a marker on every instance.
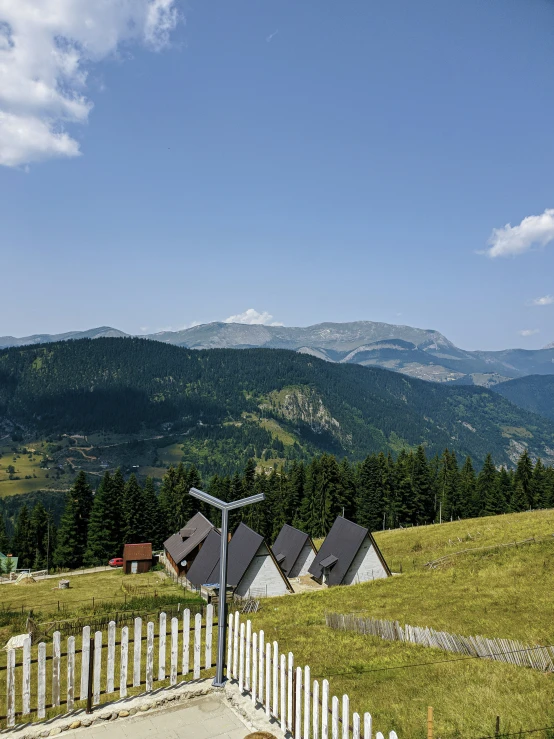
{"x":262,"y":577}
{"x":303,"y":562}
{"x":366,"y":565}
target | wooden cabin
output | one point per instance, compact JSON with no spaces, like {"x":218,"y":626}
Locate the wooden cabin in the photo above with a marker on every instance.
{"x":182,"y":548}
{"x":348,"y":555}
{"x":137,"y":558}
{"x":252,"y":570}
{"x":294,"y":551}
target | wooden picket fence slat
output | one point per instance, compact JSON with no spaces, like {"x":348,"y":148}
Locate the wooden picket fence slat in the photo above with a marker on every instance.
{"x":283,"y":690}
{"x":501,"y":650}
{"x":286,"y":692}
{"x":71,"y":677}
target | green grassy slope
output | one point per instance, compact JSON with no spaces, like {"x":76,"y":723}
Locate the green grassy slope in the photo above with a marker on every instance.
{"x":504,"y":592}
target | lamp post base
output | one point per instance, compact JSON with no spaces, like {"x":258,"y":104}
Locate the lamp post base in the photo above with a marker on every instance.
{"x":218,"y":684}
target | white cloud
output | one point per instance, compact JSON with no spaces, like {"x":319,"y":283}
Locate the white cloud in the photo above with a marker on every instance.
{"x":252,"y":317}
{"x":528,"y":332}
{"x":271,"y":35}
{"x":46,"y":49}
{"x":510,"y":241}
{"x":545,"y":300}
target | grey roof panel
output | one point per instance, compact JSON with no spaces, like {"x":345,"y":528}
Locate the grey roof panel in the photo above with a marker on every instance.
{"x":290,"y":543}
{"x":343,"y":542}
{"x":242,"y":549}
{"x":180,"y":544}
{"x":206,"y":560}
{"x":329,"y":561}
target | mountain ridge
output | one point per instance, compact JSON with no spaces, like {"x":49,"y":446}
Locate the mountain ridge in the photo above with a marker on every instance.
{"x":423,"y":353}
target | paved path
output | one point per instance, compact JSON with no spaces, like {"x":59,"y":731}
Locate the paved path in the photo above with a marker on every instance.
{"x":204,"y":718}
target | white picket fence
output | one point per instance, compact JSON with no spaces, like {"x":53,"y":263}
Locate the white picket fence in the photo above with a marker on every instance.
{"x":133,"y":670}
{"x":500,"y":650}
{"x":285,"y":691}
{"x":304,"y":708}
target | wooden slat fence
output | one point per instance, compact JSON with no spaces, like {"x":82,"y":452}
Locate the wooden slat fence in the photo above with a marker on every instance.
{"x":74,"y":626}
{"x":301,"y":706}
{"x":61,"y":677}
{"x":500,"y":650}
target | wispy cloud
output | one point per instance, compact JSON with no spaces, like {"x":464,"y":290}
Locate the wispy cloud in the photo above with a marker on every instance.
{"x":47,"y":48}
{"x":533,"y":231}
{"x":528,"y":332}
{"x":544,"y":300}
{"x":253,"y":317}
{"x":271,"y":35}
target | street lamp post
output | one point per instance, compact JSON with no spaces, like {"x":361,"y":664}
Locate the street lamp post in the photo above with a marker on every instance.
{"x":222,"y":611}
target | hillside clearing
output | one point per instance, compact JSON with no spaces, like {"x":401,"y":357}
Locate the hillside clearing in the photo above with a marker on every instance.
{"x":504,"y":593}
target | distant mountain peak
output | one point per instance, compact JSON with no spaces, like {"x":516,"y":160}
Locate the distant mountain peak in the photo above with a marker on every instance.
{"x":423,"y":353}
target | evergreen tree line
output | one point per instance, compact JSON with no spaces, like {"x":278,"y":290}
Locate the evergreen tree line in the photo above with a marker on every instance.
{"x":33,"y":540}
{"x":381,"y":492}
{"x":378,"y":493}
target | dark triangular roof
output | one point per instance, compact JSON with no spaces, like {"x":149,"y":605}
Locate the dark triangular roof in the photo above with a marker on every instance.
{"x":242,"y":549}
{"x":342,"y":542}
{"x":206,"y":560}
{"x":288,"y":546}
{"x":188,"y":538}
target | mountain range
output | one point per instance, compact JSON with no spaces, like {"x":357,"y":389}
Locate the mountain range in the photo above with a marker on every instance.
{"x":422,"y":353}
{"x":225,"y":405}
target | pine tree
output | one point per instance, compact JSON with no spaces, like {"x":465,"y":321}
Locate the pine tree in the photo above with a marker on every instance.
{"x":346,"y":500}
{"x":370,"y":503}
{"x":403,"y":489}
{"x":39,"y":534}
{"x":524,"y":475}
{"x":296,"y":484}
{"x":505,"y":490}
{"x":539,"y":486}
{"x":487,"y":488}
{"x":187,"y":505}
{"x":83,"y":497}
{"x":104,"y":532}
{"x":448,"y":481}
{"x":169,"y":508}
{"x":153,"y":523}
{"x":69,"y":550}
{"x":549,"y":486}
{"x":117,"y":496}
{"x":133,"y":514}
{"x":22,"y":543}
{"x":422,"y":484}
{"x":519,"y":499}
{"x":4,"y":538}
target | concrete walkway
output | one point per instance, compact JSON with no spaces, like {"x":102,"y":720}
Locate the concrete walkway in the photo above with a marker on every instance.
{"x":203,"y":718}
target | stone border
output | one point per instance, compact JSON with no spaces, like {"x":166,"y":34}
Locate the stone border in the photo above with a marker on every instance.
{"x":240,"y":704}
{"x":111,"y":711}
{"x":255,"y":716}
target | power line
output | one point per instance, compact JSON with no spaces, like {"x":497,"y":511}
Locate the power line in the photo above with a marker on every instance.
{"x":501,"y":735}
{"x":437,"y":662}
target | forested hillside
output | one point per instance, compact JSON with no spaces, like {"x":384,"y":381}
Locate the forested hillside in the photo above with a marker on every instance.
{"x":378,"y":493}
{"x":258,"y":401}
{"x":534,"y":393}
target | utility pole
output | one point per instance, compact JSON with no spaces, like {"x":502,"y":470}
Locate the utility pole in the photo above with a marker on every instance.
{"x":219,"y":680}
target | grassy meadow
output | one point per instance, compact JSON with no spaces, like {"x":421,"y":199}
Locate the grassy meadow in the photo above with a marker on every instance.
{"x":504,"y":592}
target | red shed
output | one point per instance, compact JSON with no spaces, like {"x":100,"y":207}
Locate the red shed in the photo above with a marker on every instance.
{"x":137,"y":558}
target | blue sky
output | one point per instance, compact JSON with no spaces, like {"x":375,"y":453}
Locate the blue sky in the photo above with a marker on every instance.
{"x":315,"y":161}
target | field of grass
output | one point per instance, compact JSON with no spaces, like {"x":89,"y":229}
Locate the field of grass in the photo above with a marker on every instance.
{"x":99,"y":592}
{"x":107,"y":590}
{"x":504,"y":592}
{"x":108,"y":585}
